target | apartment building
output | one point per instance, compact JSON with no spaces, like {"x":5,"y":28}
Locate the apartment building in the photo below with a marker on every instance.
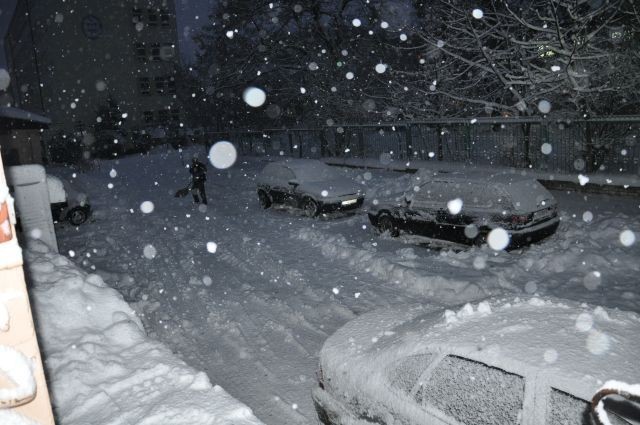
{"x":68,"y":58}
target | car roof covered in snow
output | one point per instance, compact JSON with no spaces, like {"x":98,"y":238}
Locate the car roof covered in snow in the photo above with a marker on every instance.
{"x":573,"y":347}
{"x":427,"y":174}
{"x":300,"y":164}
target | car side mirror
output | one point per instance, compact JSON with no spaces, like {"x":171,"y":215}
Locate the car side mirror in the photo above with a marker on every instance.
{"x":294,"y":183}
{"x":616,"y":399}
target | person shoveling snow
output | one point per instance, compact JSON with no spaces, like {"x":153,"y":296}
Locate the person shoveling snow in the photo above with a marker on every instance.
{"x":196,"y":186}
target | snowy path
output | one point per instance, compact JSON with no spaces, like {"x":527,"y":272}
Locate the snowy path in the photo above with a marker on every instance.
{"x":254,"y":314}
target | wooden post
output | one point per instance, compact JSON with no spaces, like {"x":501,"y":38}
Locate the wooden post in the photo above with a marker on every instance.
{"x":588,"y":140}
{"x":527,"y":143}
{"x":440,"y":147}
{"x":300,"y":141}
{"x":323,"y":144}
{"x":408,"y":141}
{"x":17,"y":331}
{"x":290,"y":137}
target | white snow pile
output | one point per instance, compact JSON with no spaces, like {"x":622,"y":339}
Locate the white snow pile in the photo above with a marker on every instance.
{"x":369,"y":261}
{"x":102,"y":368}
{"x":467,"y":310}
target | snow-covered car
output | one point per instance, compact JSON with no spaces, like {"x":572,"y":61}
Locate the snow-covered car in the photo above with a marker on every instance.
{"x":66,"y":203}
{"x":308,"y":184}
{"x":465,"y":207}
{"x":501,"y":362}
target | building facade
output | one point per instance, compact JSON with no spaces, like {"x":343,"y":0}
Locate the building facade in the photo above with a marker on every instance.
{"x":76,"y":59}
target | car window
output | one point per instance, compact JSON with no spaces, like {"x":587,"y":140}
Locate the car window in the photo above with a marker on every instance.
{"x":405,"y":374}
{"x":280,"y":174}
{"x":288,"y":174}
{"x":497,"y":196}
{"x":431,"y":195}
{"x":269,"y":172}
{"x":565,"y":409}
{"x":315,"y":171}
{"x":529,"y":195}
{"x":472,"y":392}
{"x":437,"y":194}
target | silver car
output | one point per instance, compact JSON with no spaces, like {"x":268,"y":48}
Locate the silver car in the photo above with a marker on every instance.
{"x":308,"y":184}
{"x":465,"y":208}
{"x":503,"y":362}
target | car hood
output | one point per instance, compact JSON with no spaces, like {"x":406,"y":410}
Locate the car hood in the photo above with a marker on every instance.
{"x":334,"y":188}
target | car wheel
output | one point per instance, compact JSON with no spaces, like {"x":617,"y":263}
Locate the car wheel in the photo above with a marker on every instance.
{"x":265,"y":201}
{"x":480,"y":240}
{"x":77,"y":216}
{"x":310,"y":207}
{"x":386,"y":225}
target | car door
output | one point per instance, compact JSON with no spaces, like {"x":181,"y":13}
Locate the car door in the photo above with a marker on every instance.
{"x":420,"y":214}
{"x":280,"y":183}
{"x":291,"y":194}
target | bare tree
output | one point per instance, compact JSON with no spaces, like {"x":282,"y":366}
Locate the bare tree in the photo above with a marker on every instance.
{"x":517,"y":57}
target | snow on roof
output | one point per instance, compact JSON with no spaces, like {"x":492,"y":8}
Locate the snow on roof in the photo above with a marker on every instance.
{"x":8,"y":113}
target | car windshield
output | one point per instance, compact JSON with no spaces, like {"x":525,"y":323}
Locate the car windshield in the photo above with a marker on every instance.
{"x":315,"y":171}
{"x":528,"y":195}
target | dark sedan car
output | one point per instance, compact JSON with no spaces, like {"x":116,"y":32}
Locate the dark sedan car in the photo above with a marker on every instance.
{"x":506,"y":210}
{"x":308,"y":184}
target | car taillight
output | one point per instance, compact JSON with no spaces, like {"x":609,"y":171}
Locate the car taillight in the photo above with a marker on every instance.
{"x":521,"y":219}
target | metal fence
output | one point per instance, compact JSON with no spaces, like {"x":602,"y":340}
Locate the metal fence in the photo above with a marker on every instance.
{"x":602,"y":144}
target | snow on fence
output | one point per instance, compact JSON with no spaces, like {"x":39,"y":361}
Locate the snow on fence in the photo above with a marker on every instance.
{"x":606,"y":144}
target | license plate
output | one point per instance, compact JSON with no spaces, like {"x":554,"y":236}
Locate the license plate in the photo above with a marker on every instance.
{"x":349,"y":202}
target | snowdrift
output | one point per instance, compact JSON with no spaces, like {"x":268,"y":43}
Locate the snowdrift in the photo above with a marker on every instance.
{"x":102,"y":368}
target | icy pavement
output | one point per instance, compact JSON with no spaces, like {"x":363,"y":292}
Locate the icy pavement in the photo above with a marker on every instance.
{"x":249,"y":296}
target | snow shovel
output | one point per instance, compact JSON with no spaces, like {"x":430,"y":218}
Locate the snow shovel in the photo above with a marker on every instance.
{"x":181,"y":193}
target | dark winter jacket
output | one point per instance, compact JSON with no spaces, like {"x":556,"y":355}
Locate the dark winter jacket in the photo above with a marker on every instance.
{"x":198,"y":172}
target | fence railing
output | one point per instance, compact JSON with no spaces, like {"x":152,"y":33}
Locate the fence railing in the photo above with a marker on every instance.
{"x":602,"y":144}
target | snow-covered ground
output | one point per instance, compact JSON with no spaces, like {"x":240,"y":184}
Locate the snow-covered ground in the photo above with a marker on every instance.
{"x":102,"y":368}
{"x":249,"y":296}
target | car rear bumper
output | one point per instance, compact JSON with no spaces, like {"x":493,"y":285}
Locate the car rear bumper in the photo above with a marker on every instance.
{"x":534,"y":233}
{"x":338,"y":206}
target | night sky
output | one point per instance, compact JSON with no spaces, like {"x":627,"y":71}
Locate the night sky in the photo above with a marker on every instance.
{"x":191,"y":14}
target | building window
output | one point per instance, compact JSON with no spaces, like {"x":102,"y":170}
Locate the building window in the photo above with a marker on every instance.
{"x":165,"y":18}
{"x":163,"y":116}
{"x":165,"y":85}
{"x":152,"y":17}
{"x":141,"y":52}
{"x":155,"y":51}
{"x":144,"y":85}
{"x":148,"y":116}
{"x":171,"y":85}
{"x":137,"y":15}
{"x":167,"y":51}
{"x":161,"y":84}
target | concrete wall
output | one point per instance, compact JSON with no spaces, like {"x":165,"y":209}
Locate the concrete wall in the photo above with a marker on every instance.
{"x":21,"y":147}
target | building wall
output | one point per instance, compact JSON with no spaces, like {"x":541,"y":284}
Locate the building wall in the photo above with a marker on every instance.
{"x":70,"y":56}
{"x":21,"y":146}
